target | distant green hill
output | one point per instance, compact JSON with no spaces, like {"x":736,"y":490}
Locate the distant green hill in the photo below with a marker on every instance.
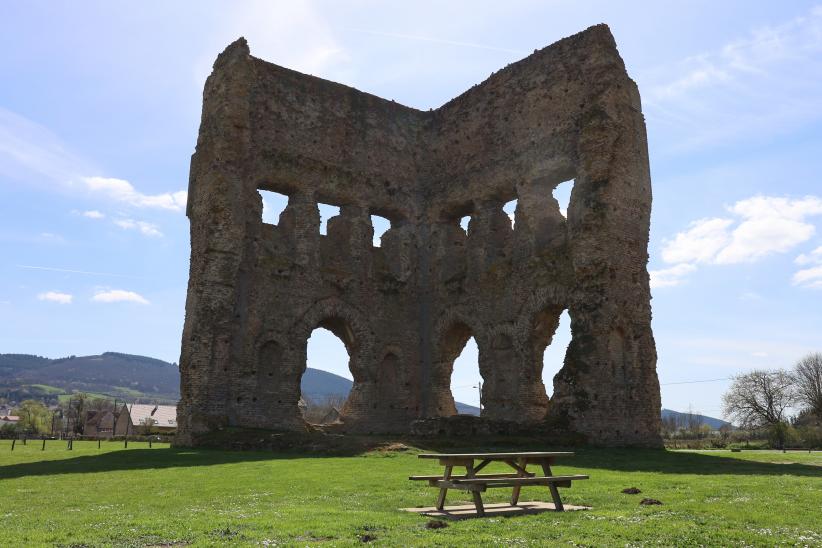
{"x":111,"y":373}
{"x":130,"y":377}
{"x":681,"y":418}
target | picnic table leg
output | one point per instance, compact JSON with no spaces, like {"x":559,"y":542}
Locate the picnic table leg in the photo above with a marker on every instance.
{"x":478,"y":503}
{"x":515,"y":492}
{"x":470,"y":473}
{"x":444,"y":490}
{"x":546,"y":470}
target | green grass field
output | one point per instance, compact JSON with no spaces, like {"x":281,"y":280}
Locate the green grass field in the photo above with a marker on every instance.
{"x":170,"y":497}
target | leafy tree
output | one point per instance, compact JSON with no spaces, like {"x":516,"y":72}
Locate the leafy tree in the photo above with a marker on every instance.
{"x":807,"y":375}
{"x":761,"y":399}
{"x":34,"y":417}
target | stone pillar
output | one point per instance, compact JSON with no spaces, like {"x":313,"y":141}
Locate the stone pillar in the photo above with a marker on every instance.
{"x":608,"y":387}
{"x":219,"y":199}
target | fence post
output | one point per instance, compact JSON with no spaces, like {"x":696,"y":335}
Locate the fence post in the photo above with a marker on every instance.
{"x":98,"y":443}
{"x":149,"y":443}
{"x":13,"y":441}
{"x":44,"y":444}
{"x":24,"y":439}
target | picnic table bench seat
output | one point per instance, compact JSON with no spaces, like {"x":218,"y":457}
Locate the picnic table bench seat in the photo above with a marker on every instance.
{"x":476,"y":483}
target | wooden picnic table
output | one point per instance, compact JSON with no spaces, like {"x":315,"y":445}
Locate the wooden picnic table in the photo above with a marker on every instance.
{"x":477,"y":483}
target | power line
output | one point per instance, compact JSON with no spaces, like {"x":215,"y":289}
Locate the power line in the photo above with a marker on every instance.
{"x":694,"y":382}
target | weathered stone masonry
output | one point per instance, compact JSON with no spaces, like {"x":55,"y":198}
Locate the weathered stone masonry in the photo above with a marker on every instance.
{"x":405,"y":309}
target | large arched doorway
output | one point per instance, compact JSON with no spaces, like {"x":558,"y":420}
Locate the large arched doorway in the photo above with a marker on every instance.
{"x":326,"y":382}
{"x":466,"y":380}
{"x":457,"y":373}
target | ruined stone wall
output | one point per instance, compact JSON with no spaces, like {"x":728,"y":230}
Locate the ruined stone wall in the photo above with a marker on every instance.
{"x":405,"y":309}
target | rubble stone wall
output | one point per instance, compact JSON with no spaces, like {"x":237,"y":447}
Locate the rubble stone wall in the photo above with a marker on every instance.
{"x":405,"y":309}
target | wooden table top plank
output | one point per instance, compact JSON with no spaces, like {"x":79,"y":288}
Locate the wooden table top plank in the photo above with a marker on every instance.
{"x":529,"y":454}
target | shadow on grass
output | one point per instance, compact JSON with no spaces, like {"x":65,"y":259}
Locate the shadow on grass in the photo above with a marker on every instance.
{"x":626,"y":460}
{"x":675,"y":462}
{"x":134,"y":459}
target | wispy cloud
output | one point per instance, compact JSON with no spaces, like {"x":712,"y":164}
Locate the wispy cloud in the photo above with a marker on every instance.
{"x":293,"y":34}
{"x":117,"y":296}
{"x":145,"y":228}
{"x":812,"y":276}
{"x":756,"y":86}
{"x":29,"y":151}
{"x":813,"y":257}
{"x":92,"y":214}
{"x":56,"y":297}
{"x":71,"y":271}
{"x":121,"y":190}
{"x":27,"y":147}
{"x":669,"y":277}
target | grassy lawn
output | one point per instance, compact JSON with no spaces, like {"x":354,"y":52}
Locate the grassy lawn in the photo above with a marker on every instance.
{"x":163,"y":496}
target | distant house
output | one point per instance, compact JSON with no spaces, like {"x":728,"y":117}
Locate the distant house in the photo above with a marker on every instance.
{"x":99,"y":424}
{"x":132,"y":419}
{"x":9,"y":419}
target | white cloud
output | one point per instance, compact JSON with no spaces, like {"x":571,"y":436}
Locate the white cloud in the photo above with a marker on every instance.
{"x":669,"y":277}
{"x":145,"y":228}
{"x":118,"y":295}
{"x":56,"y":297}
{"x":770,"y":225}
{"x":762,"y":226}
{"x":93,"y":214}
{"x":813,"y":257}
{"x":809,"y":277}
{"x":700,"y":243}
{"x":123,"y":191}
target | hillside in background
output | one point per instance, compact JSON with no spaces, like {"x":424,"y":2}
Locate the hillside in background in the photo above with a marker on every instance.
{"x":138,"y":378}
{"x":682,"y":419}
{"x":111,"y":374}
{"x":130,"y":377}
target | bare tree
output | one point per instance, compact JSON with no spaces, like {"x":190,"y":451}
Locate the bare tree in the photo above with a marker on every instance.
{"x":807,"y":374}
{"x":693,"y":421}
{"x":760,"y":398}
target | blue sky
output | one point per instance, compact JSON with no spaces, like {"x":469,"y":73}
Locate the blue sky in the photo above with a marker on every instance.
{"x":99,"y":110}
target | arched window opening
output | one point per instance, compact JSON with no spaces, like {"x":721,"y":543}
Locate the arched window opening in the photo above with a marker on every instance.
{"x":381,"y":226}
{"x":562,"y":194}
{"x":326,"y":212}
{"x":552,"y":335}
{"x":510,"y":209}
{"x":327,"y":380}
{"x":274,"y":204}
{"x":466,"y":381}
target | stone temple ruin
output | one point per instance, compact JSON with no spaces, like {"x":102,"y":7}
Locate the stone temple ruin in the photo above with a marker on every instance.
{"x":405,"y":309}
